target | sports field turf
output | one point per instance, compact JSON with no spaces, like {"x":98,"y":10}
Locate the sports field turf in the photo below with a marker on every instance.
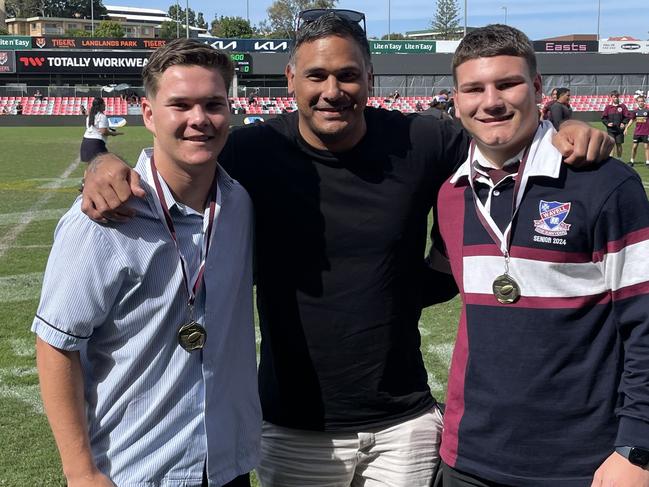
{"x":38,"y":181}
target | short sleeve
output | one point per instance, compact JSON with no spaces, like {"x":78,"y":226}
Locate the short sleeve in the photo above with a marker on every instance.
{"x":101,"y":121}
{"x":82,"y":280}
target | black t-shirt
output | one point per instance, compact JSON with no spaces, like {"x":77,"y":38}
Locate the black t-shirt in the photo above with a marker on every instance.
{"x":340,"y":240}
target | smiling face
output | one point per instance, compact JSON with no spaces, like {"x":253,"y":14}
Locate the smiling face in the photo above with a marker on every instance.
{"x":189,"y":117}
{"x":496,"y":101}
{"x":330,"y":81}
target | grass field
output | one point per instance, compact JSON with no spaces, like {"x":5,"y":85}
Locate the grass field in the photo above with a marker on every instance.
{"x":38,"y":181}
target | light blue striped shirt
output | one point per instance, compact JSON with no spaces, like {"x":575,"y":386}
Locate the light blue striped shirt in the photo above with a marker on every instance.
{"x":116,"y":293}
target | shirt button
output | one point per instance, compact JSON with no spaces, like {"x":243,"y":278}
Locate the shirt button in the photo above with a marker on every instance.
{"x":496,"y":193}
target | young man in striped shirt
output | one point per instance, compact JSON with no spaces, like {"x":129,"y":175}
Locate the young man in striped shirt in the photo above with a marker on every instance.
{"x":548,"y":381}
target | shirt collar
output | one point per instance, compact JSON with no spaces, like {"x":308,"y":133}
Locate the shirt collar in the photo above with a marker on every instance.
{"x":544,"y":158}
{"x":223,"y":180}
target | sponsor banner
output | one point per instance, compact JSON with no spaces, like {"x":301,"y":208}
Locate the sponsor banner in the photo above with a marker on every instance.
{"x":7,"y":62}
{"x":615,"y":47}
{"x":566,"y":46}
{"x":49,"y":42}
{"x":15,"y":42}
{"x":249,"y":45}
{"x":51,"y":62}
{"x":403,"y":47}
{"x":447,"y":46}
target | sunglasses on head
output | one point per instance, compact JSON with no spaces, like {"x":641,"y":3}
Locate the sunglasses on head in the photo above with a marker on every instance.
{"x":312,"y":14}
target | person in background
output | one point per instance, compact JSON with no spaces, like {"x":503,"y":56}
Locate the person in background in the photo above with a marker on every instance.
{"x":560,"y":110}
{"x":97,"y":131}
{"x":641,"y":132}
{"x":545,"y":111}
{"x":19,"y":108}
{"x":83,"y":111}
{"x":615,"y":117}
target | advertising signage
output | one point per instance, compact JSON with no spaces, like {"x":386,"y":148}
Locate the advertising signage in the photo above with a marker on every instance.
{"x":53,"y":62}
{"x":15,"y":42}
{"x":7,"y":62}
{"x":49,"y":42}
{"x":566,"y":46}
{"x":616,"y":47}
{"x":249,"y":45}
{"x":402,"y":47}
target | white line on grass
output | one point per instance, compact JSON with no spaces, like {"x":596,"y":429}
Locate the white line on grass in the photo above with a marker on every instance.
{"x":20,"y":287}
{"x":29,"y":394}
{"x":33,"y":216}
{"x":14,"y":233}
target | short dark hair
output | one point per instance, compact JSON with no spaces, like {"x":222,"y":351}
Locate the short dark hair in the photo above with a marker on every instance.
{"x":615,"y":93}
{"x":494,"y":40}
{"x":562,"y":91}
{"x":185,"y":52}
{"x":329,"y":25}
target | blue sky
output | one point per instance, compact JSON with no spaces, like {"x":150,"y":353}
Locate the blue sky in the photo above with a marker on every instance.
{"x":537,"y":18}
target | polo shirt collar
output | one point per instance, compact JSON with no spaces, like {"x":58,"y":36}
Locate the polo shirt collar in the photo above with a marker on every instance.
{"x":544,"y":158}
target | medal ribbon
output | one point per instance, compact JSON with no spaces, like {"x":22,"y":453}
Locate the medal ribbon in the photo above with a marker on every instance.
{"x":502,"y":239}
{"x":208,"y":226}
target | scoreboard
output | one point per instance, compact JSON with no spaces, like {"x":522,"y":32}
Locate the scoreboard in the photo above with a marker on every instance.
{"x":242,"y":62}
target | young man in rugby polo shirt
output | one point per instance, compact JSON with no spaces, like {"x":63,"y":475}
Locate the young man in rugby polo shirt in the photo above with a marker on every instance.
{"x":548,"y":381}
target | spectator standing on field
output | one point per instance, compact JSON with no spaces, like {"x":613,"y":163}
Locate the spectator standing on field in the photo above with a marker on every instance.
{"x":560,"y":110}
{"x":615,"y":117}
{"x":641,"y":131}
{"x":97,"y":131}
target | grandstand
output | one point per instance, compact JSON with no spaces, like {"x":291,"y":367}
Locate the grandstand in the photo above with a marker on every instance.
{"x":116,"y":106}
{"x":61,"y":105}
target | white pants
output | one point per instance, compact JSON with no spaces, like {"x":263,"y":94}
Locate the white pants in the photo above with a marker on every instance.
{"x":403,"y":455}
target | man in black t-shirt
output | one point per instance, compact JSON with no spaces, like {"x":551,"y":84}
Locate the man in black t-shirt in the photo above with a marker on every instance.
{"x":342,"y":194}
{"x":560,"y":110}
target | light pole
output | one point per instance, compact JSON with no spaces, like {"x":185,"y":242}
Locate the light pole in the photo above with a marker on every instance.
{"x":187,"y":18}
{"x":505,"y":9}
{"x":599,"y":12}
{"x":177,"y":20}
{"x":248,"y":10}
{"x":465,"y":17}
{"x":92,"y":17}
{"x":389,"y":28}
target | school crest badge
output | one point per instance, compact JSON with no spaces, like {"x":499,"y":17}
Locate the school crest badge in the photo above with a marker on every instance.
{"x":40,"y":42}
{"x":4,"y":57}
{"x":553,"y":216}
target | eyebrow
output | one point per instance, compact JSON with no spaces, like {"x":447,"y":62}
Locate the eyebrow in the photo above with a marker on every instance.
{"x":506,"y":79}
{"x":177,"y":99}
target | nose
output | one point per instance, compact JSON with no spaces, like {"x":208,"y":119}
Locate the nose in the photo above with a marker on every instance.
{"x":198,"y":115}
{"x":331,"y":88}
{"x":492,"y":99}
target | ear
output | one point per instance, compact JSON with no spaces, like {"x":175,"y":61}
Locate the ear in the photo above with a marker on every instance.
{"x":458,"y":102}
{"x":147,"y":115}
{"x":290,"y":75}
{"x":538,"y":88}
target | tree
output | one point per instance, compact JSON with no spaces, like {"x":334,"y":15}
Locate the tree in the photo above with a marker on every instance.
{"x":176,"y":12}
{"x":54,"y":8}
{"x":233,"y":27}
{"x":282,"y":16}
{"x":171,"y":30}
{"x":3,"y":31}
{"x":109,"y":28}
{"x":446,"y":22}
{"x":395,"y":36}
{"x":200,"y":21}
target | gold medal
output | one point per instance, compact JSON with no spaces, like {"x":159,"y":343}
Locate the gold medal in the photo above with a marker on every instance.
{"x":506,"y":289}
{"x":191,"y":336}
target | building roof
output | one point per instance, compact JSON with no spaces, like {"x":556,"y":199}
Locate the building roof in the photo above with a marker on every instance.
{"x":135,"y":10}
